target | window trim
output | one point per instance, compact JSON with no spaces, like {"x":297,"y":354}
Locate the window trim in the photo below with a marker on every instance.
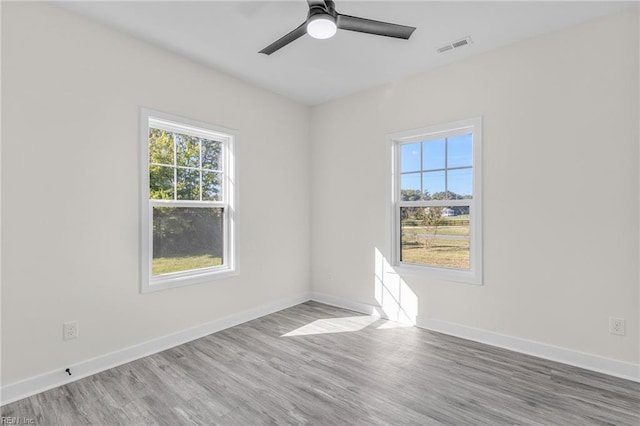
{"x":475,"y":273}
{"x":229,"y":138}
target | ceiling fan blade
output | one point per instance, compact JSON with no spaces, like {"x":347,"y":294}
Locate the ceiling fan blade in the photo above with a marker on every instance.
{"x":362,"y":25}
{"x":283,"y":41}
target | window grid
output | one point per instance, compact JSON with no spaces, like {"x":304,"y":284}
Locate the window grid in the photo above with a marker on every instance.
{"x":200,"y":169}
{"x":422,"y":170}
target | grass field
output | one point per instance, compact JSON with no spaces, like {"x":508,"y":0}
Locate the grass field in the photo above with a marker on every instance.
{"x":442,"y":230}
{"x":446,"y":253}
{"x":165,"y":265}
{"x":459,"y":217}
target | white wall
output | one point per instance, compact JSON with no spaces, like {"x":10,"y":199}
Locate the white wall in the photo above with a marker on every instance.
{"x":70,"y":185}
{"x":561,"y":135}
{"x":560,"y":187}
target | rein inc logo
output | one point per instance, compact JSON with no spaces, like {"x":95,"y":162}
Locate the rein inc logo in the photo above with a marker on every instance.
{"x":6,"y":420}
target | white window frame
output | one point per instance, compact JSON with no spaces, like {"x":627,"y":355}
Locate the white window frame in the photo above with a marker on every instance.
{"x":229,"y":138}
{"x":474,"y":274}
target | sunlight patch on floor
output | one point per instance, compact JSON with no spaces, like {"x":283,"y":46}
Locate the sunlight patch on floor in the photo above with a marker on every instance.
{"x":340,"y":325}
{"x":392,"y":324}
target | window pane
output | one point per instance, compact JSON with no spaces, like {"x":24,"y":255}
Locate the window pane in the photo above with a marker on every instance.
{"x":186,"y":238}
{"x":460,"y":183}
{"x":433,"y":154}
{"x":410,"y":189}
{"x":410,"y":157}
{"x":187,"y":150}
{"x":211,"y":186}
{"x":459,"y":151}
{"x":160,"y":147}
{"x":435,"y":236}
{"x":161,"y":183}
{"x":433,"y":184}
{"x":188,"y":184}
{"x":211,"y":154}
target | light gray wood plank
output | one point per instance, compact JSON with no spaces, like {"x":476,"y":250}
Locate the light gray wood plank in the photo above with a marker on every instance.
{"x":315,"y":364}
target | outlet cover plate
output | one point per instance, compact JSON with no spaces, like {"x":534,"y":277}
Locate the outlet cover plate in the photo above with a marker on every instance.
{"x":616,"y":326}
{"x":70,"y":330}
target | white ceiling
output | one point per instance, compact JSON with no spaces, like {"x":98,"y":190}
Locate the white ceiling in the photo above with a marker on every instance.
{"x":227,"y":36}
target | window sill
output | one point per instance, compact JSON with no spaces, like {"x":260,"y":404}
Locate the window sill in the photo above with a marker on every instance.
{"x":466,"y":277}
{"x":163,"y":283}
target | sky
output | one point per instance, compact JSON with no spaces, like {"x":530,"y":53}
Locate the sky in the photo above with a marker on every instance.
{"x":424,"y":165}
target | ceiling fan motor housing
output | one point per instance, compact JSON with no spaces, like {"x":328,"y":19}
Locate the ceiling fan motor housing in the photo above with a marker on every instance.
{"x":318,"y":9}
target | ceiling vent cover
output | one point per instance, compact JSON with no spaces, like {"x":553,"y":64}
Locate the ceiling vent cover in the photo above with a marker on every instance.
{"x":455,"y":44}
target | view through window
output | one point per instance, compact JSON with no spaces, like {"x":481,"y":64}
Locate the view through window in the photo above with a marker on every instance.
{"x":436,"y":234}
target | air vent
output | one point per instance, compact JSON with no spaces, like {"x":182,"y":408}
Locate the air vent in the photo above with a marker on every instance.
{"x":455,"y":44}
{"x":445,"y":48}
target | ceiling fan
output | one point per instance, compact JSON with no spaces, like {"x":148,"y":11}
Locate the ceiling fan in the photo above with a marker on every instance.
{"x":323,"y":21}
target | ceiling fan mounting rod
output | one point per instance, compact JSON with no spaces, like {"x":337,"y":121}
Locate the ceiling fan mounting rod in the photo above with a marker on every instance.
{"x":322,"y":8}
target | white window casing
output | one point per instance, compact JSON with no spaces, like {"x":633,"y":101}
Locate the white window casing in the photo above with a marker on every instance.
{"x":228,"y":202}
{"x":473,"y":275}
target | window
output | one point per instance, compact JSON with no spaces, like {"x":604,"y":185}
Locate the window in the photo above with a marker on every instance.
{"x":188,"y":201}
{"x":436,"y":212}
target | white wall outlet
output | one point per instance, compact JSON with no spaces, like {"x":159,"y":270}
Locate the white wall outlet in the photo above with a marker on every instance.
{"x":70,"y":330}
{"x":616,"y":326}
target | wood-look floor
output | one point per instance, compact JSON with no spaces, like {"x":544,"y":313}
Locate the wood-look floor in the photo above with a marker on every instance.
{"x":319,"y":365}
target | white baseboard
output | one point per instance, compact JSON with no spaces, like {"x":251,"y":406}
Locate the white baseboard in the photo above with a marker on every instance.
{"x":363,"y":308}
{"x":612,"y":367}
{"x":34,"y":385}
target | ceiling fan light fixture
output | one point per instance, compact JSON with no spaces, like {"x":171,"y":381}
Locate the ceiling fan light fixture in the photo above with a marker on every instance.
{"x":322,"y":26}
{"x":323,"y":21}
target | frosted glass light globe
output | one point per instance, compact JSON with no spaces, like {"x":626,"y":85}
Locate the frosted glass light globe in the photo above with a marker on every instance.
{"x":322,"y":26}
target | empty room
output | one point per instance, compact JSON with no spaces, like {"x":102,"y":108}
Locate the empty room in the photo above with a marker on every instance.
{"x":311,"y":212}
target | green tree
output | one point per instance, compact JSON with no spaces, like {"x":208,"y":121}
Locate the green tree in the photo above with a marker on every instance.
{"x":175,"y":169}
{"x":161,"y":162}
{"x":187,"y":231}
{"x":446,"y":195}
{"x":411,"y":195}
{"x":432,"y":220}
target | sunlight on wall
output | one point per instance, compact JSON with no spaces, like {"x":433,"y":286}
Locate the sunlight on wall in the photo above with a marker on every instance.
{"x":397,"y":300}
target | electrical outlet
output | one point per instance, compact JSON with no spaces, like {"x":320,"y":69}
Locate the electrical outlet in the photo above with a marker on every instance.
{"x":616,"y":326}
{"x":70,"y":330}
